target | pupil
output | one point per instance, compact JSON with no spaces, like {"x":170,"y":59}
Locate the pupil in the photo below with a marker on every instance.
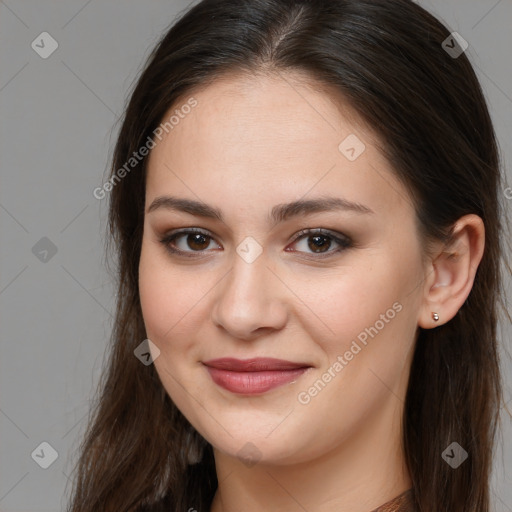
{"x":317,"y":243}
{"x":196,"y":242}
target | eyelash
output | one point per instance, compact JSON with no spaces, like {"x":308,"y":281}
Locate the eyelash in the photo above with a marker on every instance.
{"x":342,"y":240}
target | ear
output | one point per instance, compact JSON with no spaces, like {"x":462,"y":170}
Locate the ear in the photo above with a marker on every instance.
{"x":451,"y":273}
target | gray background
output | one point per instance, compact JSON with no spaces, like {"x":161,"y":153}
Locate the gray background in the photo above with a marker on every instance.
{"x":58,"y":125}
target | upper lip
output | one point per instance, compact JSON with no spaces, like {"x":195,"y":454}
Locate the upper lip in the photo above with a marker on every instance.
{"x":253,"y":365}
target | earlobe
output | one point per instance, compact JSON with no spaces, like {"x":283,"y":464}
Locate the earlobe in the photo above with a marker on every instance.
{"x":452,"y":273}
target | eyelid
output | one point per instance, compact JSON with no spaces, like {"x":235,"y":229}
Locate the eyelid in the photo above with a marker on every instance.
{"x":344,"y":241}
{"x":320,"y":231}
{"x":169,"y":237}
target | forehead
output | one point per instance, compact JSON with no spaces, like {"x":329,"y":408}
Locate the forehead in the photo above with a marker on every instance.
{"x":260,"y":107}
{"x":271,"y":135}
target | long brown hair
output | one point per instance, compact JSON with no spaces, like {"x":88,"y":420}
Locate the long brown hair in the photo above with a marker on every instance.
{"x":389,"y":59}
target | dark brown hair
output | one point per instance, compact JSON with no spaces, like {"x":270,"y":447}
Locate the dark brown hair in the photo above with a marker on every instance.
{"x":387,"y":59}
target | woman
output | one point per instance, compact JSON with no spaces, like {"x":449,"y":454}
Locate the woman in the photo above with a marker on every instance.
{"x":304,"y":201}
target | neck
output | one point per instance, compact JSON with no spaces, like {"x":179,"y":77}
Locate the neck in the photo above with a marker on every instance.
{"x":359,"y":474}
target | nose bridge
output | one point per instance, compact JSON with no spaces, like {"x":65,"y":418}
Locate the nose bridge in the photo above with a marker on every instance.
{"x":248,"y":298}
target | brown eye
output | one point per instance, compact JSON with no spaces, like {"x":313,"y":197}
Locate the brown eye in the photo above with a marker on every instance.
{"x":197,"y":241}
{"x":187,"y":242}
{"x":194,"y":242}
{"x":319,"y":241}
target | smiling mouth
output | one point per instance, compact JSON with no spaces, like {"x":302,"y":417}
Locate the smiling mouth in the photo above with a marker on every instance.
{"x":253,"y":376}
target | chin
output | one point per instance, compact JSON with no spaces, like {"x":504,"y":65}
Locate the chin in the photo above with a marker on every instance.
{"x":276,"y":449}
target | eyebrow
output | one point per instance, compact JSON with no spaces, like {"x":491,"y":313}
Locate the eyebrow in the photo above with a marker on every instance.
{"x":279,"y":213}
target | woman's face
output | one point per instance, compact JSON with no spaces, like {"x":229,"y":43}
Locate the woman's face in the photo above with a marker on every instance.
{"x":344,"y":303}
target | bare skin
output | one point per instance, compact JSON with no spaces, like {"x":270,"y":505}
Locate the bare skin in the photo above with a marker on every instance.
{"x":250,"y":144}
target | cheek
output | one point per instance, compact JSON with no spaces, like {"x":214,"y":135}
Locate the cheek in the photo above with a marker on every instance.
{"x":162,"y":296}
{"x":364,"y":314}
{"x":167,"y":302}
{"x":343,"y":304}
{"x":173,"y":301}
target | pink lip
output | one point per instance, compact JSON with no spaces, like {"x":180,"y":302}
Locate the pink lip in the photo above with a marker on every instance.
{"x":253,"y":376}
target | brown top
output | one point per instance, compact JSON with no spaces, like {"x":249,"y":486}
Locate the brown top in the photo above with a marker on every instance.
{"x":402,"y":503}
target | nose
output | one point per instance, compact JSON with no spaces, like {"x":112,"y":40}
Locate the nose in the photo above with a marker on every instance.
{"x":250,"y":301}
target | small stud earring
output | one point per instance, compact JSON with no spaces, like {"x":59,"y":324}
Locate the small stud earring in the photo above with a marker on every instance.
{"x":435,"y":316}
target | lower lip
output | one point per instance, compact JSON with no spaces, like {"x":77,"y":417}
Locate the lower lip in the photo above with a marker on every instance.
{"x":251,"y":383}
